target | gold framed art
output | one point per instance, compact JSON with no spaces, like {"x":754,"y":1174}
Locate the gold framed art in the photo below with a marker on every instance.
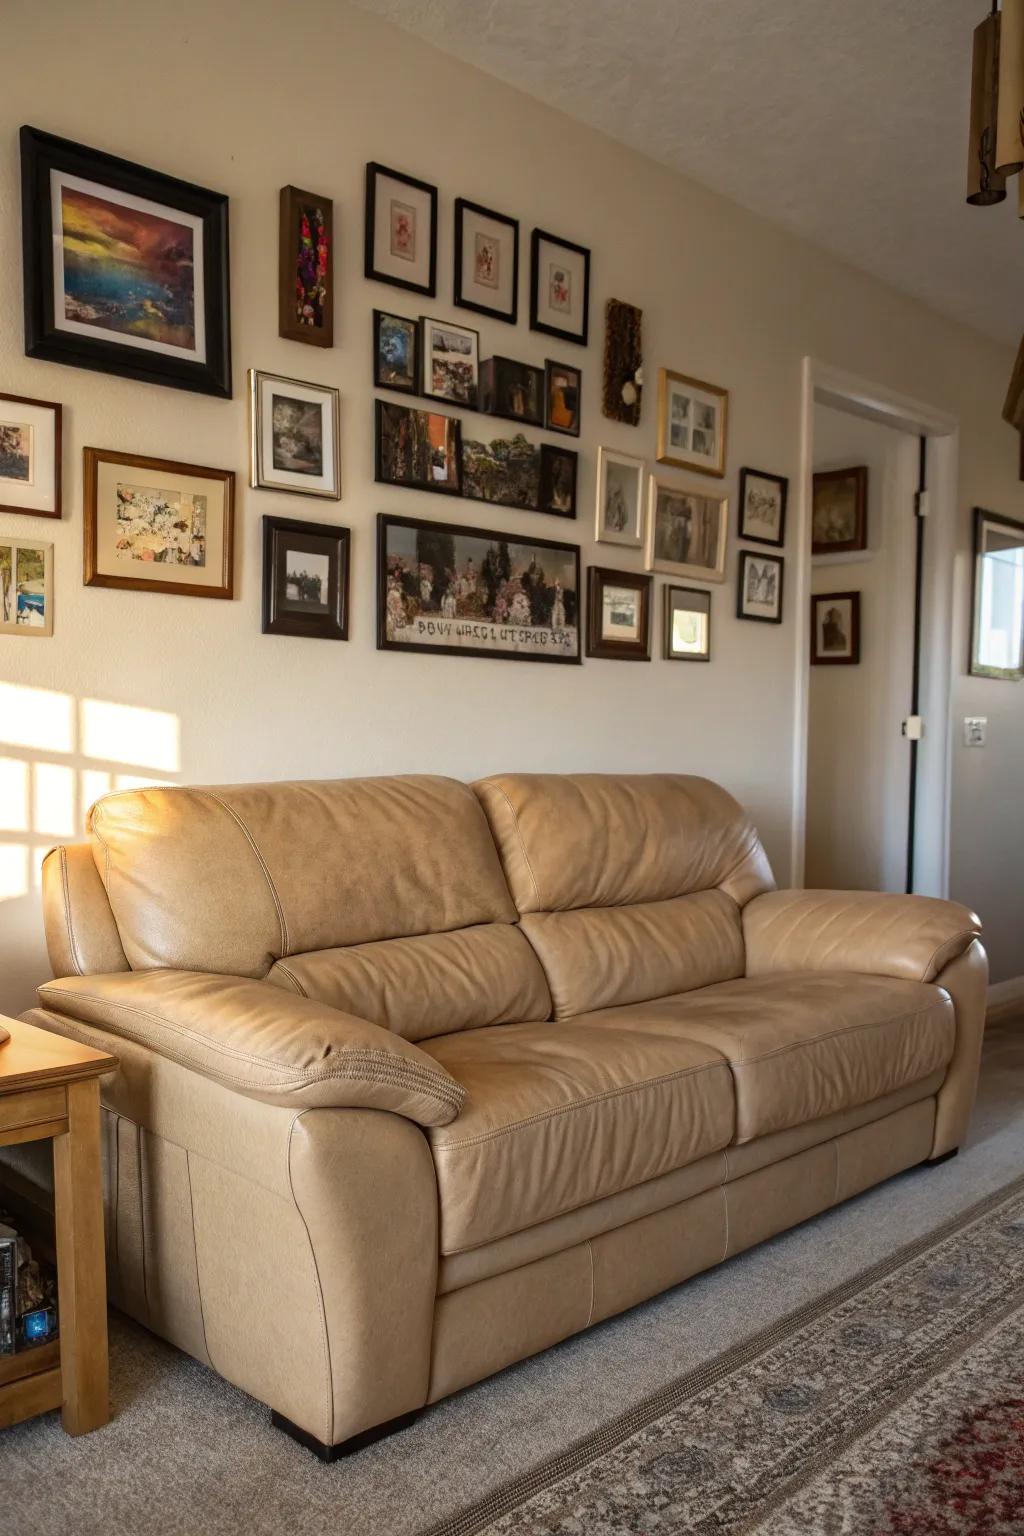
{"x":692,"y":423}
{"x":686,"y":532}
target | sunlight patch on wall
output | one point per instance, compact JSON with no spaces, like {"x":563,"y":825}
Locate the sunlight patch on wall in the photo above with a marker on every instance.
{"x":14,"y":866}
{"x":123,"y":733}
{"x":13,"y":795}
{"x":36,"y":718}
{"x":53,"y":801}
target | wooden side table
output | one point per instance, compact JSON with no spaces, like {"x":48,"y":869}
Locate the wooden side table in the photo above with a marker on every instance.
{"x":49,"y":1089}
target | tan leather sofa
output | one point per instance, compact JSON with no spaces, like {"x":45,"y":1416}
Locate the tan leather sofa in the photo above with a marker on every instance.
{"x":417,"y":1079}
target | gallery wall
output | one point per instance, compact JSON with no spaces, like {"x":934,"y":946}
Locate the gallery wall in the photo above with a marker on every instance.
{"x":247,"y":97}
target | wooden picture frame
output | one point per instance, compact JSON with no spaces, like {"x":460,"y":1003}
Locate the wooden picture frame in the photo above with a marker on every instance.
{"x":759,"y":587}
{"x":608,"y":604}
{"x":693,"y":423}
{"x":1004,"y":534}
{"x":385,"y":263}
{"x":550,"y":299}
{"x":762,"y":516}
{"x":850,"y":488}
{"x":30,"y":430}
{"x":317,"y":608}
{"x":396,"y":352}
{"x":836,"y":655}
{"x":305,"y":282}
{"x":476,"y":278}
{"x":691,"y":642}
{"x":26,"y":591}
{"x":679,"y":524}
{"x":294,"y":436}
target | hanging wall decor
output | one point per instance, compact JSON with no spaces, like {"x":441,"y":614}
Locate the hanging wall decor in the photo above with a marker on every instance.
{"x":305,"y":579}
{"x":763,"y":507}
{"x":401,"y":230}
{"x":759,"y":587}
{"x":692,"y":417}
{"x":512,"y":390}
{"x":835,"y":629}
{"x":559,"y":287}
{"x":305,"y":300}
{"x":686,"y":532}
{"x":294,"y":433}
{"x":451,"y":362}
{"x":30,"y":456}
{"x":618,"y":614}
{"x":504,"y":471}
{"x":620,"y":512}
{"x":623,"y":363}
{"x":687,"y":624}
{"x":997,"y":603}
{"x":396,"y":351}
{"x":839,"y":511}
{"x":419,"y":449}
{"x":26,"y":587}
{"x":486,"y":261}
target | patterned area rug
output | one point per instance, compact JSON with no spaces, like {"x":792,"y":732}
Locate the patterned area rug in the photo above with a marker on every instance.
{"x":893,"y":1406}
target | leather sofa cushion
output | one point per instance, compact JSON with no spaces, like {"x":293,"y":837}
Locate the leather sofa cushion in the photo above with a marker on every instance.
{"x":559,"y":1115}
{"x":807,"y":1045}
{"x":431,"y":985}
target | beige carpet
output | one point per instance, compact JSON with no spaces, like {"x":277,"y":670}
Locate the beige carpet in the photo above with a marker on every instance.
{"x":187,"y":1455}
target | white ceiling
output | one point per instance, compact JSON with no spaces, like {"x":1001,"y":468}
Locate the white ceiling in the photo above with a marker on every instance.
{"x":843,"y":120}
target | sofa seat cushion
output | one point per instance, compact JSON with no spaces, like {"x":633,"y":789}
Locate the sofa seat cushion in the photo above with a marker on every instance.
{"x":558,"y":1115}
{"x":806,"y":1045}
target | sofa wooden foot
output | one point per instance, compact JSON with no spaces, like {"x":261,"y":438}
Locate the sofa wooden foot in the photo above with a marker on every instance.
{"x":328,"y":1453}
{"x":933,"y":1162}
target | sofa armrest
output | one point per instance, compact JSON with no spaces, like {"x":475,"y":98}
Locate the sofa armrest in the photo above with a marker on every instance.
{"x":909,"y":937}
{"x":262,"y":1041}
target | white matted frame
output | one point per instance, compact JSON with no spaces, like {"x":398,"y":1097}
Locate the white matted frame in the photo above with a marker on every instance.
{"x":266,"y":472}
{"x":623,"y":475}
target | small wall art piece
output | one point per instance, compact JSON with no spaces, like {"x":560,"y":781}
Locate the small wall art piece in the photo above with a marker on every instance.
{"x":451,"y":362}
{"x":687,"y":624}
{"x":305,"y":579}
{"x":401,"y":230}
{"x":504,"y":471}
{"x":294,"y":431}
{"x":30,"y":456}
{"x":839,"y":515}
{"x":396,"y":341}
{"x":559,"y":287}
{"x":459,"y":591}
{"x":618,"y":614}
{"x":418,"y":449}
{"x":486,"y":261}
{"x":759,"y":587}
{"x":620,"y":508}
{"x":152,"y":525}
{"x":558,"y":468}
{"x":26,"y":587}
{"x":622,"y":397}
{"x":126,"y":270}
{"x":562,"y":392}
{"x":512,"y":390}
{"x":306,"y":268}
{"x":686,"y":532}
{"x":691,"y":423}
{"x":763,"y":507}
{"x":835,"y":629}
{"x":997,"y":608}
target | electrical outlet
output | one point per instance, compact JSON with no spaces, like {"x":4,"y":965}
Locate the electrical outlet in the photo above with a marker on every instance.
{"x":975,"y":730}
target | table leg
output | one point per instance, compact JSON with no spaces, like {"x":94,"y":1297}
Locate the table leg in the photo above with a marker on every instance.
{"x":81,"y":1276}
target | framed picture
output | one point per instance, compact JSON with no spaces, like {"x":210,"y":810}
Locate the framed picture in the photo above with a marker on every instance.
{"x":686,"y":532}
{"x":997,"y":608}
{"x":559,"y":287}
{"x":839,"y":514}
{"x":305,"y":299}
{"x":305,"y":579}
{"x":26,"y":587}
{"x":155,"y":526}
{"x":687,"y":624}
{"x":512,"y":390}
{"x":486,"y":261}
{"x":558,"y":468}
{"x":763,"y":507}
{"x":835,"y":629}
{"x":622,"y":396}
{"x":618,"y":614}
{"x":294,"y":431}
{"x":420,"y":449}
{"x":396,"y":352}
{"x":691,"y":423}
{"x":451,"y":362}
{"x":620,"y":514}
{"x":401,"y":230}
{"x":457,"y":591}
{"x":505,"y":472}
{"x":759,"y":587}
{"x":30,"y":456}
{"x":562,"y":386}
{"x":126,"y":270}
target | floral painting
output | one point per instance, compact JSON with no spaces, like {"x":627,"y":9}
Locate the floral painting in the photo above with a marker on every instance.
{"x":311,"y":266}
{"x":164,"y":527}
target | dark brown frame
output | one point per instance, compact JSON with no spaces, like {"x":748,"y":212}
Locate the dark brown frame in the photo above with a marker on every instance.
{"x":91,"y":460}
{"x":755,"y":554}
{"x":859,"y":472}
{"x":981,"y":516}
{"x":567,"y":245}
{"x":378,"y":382}
{"x":548,"y":451}
{"x":549,"y":366}
{"x":670,"y":654}
{"x":598,"y":577}
{"x":414,"y":485}
{"x":489,"y":389}
{"x":58,"y":415}
{"x":462,"y":206}
{"x":836,"y":661}
{"x":293,"y":200}
{"x":373,"y":170}
{"x":312,"y":536}
{"x":782,"y":481}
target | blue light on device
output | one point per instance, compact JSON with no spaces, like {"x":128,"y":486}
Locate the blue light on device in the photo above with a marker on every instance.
{"x":36,"y":1324}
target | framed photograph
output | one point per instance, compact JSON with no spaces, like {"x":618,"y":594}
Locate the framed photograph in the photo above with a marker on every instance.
{"x":401,"y":230}
{"x":686,"y":532}
{"x":486,"y":261}
{"x":687,"y":624}
{"x":30,"y":456}
{"x":512,"y":390}
{"x":396,"y":352}
{"x":835,"y":629}
{"x":155,"y":526}
{"x":451,"y":362}
{"x":618,"y":614}
{"x":759,"y":587}
{"x":419,"y":449}
{"x":294,"y":431}
{"x":505,"y":472}
{"x":839,"y":515}
{"x":558,"y":468}
{"x":763,"y":507}
{"x":622,"y":396}
{"x":562,"y":387}
{"x":620,"y":507}
{"x":997,"y":608}
{"x":559,"y":287}
{"x":305,"y":300}
{"x":305,"y":579}
{"x":691,"y":423}
{"x":457,"y":591}
{"x":126,"y":270}
{"x":26,"y":587}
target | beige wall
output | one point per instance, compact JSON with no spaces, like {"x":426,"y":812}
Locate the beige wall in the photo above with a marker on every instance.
{"x":247,"y":97}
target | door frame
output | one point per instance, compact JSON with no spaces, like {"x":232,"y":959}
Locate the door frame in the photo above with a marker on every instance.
{"x":824,"y":384}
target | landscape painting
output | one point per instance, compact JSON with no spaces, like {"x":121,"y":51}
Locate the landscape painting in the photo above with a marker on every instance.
{"x":297,"y":435}
{"x":505,"y":471}
{"x":16,"y":451}
{"x":26,"y":588}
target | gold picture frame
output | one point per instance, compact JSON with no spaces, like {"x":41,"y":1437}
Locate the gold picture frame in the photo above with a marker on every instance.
{"x":692,"y":423}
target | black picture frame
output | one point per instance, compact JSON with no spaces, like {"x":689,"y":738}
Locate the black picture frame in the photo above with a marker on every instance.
{"x":822,"y":658}
{"x":746,"y":555}
{"x":381,"y":382}
{"x":579,"y":338}
{"x":598,"y":644}
{"x":462,"y":207}
{"x":551,"y":367}
{"x":281,"y":534}
{"x":382,"y":408}
{"x":41,"y":155}
{"x":499,"y":375}
{"x":370,"y":270}
{"x":427,"y":323}
{"x":551,"y":454}
{"x":782,"y":481}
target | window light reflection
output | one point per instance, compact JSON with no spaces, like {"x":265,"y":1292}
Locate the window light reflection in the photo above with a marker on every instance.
{"x":124,"y":733}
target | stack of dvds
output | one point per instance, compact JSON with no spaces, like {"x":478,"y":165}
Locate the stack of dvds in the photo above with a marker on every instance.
{"x":28,"y":1296}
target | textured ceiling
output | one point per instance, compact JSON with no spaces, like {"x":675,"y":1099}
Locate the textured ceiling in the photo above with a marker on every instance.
{"x":845,"y":121}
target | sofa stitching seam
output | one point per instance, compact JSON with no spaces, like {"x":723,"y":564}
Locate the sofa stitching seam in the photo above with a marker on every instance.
{"x":261,"y":861}
{"x":75,"y":961}
{"x":835,"y":1034}
{"x":593,"y":1285}
{"x":286,"y":971}
{"x":522,"y":842}
{"x":195,"y":1253}
{"x":325,"y":1338}
{"x":965,"y":933}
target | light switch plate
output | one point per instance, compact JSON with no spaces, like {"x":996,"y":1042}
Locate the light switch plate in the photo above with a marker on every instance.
{"x":975,"y":730}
